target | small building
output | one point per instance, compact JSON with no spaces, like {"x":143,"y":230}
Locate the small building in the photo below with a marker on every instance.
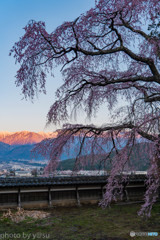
{"x":23,"y":174}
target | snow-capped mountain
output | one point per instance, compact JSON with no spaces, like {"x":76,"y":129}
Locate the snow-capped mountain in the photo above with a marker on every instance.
{"x":5,"y":134}
{"x":24,"y":137}
{"x":48,"y":134}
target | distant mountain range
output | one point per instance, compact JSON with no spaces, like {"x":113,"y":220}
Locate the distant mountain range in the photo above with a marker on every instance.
{"x":25,"y":137}
{"x":139,"y":160}
{"x":16,"y":152}
{"x":18,"y":146}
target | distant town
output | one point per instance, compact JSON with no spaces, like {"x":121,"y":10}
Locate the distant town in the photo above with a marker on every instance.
{"x":22,"y":168}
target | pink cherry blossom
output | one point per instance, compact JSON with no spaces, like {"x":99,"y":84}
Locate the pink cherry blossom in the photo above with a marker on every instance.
{"x":106,"y":54}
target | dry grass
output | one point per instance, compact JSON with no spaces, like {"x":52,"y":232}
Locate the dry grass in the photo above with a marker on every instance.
{"x":21,"y":214}
{"x":86,"y":222}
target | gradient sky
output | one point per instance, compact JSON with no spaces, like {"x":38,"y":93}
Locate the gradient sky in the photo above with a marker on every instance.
{"x":18,"y":114}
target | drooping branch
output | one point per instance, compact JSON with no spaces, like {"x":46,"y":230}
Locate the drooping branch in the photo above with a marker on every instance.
{"x":74,"y":129}
{"x":106,"y":56}
{"x":127,"y":25}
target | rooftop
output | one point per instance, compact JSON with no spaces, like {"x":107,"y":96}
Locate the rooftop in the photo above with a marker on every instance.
{"x":61,"y":180}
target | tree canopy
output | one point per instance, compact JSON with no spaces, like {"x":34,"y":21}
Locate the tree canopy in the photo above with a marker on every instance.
{"x":106,"y":54}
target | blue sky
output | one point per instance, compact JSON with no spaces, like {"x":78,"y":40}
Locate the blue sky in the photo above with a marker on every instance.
{"x":18,"y":114}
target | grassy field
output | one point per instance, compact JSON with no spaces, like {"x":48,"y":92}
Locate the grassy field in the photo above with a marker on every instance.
{"x":84,"y":223}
